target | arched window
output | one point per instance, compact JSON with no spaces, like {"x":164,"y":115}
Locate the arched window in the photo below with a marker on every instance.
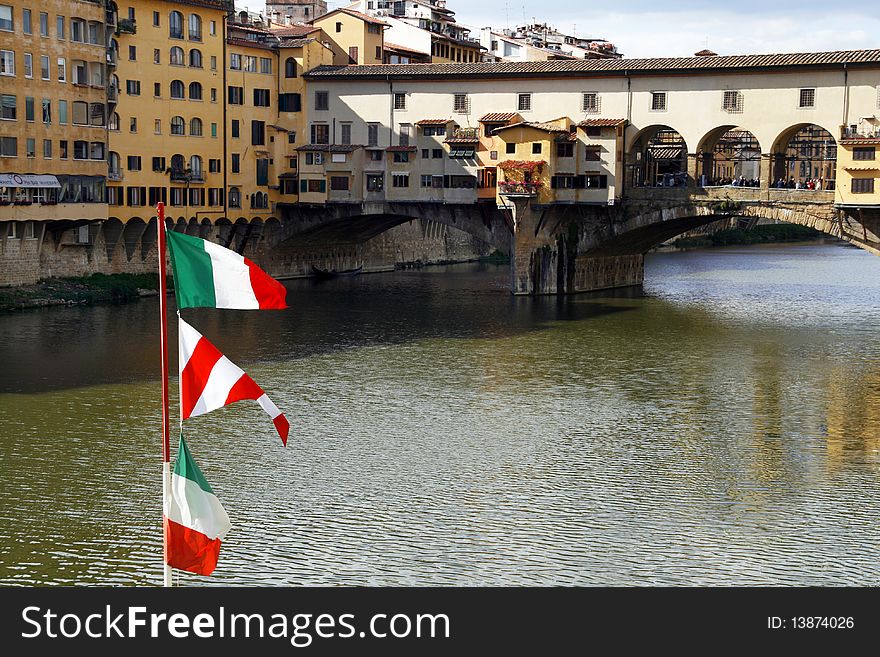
{"x":195,"y":58}
{"x":175,"y":25}
{"x":195,"y":27}
{"x":176,"y":89}
{"x":290,"y":68}
{"x":177,"y":57}
{"x":234,"y":197}
{"x":114,"y":121}
{"x":177,"y":163}
{"x":178,"y":125}
{"x":195,"y":90}
{"x":114,"y":169}
{"x":195,"y":127}
{"x":195,"y":166}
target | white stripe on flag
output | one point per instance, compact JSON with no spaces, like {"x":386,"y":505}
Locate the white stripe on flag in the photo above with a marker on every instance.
{"x":188,"y":338}
{"x":232,"y":278}
{"x":191,"y":506}
{"x":269,"y":406}
{"x":224,"y":375}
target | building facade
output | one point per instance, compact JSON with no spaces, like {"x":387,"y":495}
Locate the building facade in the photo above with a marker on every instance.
{"x":296,"y":11}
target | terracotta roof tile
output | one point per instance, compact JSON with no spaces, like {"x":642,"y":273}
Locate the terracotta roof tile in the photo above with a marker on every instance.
{"x":294,"y":30}
{"x":546,"y":127}
{"x":433,"y":121}
{"x":590,"y":67}
{"x":401,"y":149}
{"x":498,"y":117}
{"x":601,"y":123}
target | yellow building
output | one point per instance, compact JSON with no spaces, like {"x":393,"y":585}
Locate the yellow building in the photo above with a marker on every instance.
{"x":166,"y":137}
{"x":355,"y":38}
{"x":53,"y":114}
{"x":858,"y":169}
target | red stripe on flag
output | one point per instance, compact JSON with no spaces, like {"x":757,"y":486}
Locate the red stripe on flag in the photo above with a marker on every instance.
{"x":195,"y":374}
{"x":244,"y":388}
{"x":190,"y":550}
{"x":283,"y":428}
{"x":270,"y":293}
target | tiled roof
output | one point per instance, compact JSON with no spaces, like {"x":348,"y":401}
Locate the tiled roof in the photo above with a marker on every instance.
{"x":394,"y":46}
{"x":590,"y":67}
{"x":706,"y":53}
{"x":295,"y":43}
{"x":864,"y":167}
{"x":401,"y":149}
{"x":433,"y":121}
{"x":294,"y":30}
{"x":356,"y":14}
{"x":601,"y":123}
{"x":860,"y":140}
{"x":462,"y":140}
{"x":247,"y":43}
{"x":546,"y":127}
{"x":325,"y":148}
{"x":498,"y":117}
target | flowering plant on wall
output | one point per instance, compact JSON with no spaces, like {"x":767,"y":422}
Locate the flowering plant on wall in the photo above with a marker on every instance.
{"x":513,"y":187}
{"x":532,"y":166}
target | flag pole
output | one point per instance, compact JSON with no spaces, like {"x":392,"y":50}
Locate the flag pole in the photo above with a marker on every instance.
{"x":163,"y":340}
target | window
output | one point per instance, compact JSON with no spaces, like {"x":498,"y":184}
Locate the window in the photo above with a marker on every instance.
{"x":236,"y":95}
{"x":28,"y":65}
{"x":460,"y":103}
{"x":62,"y":69}
{"x":136,"y":196}
{"x":134,"y":163}
{"x":195,"y":165}
{"x":353,"y":55}
{"x":157,"y":90}
{"x":265,"y":65}
{"x":195,"y":58}
{"x":524,"y":102}
{"x":320,"y":133}
{"x":7,"y":62}
{"x":157,"y":56}
{"x":437,"y":153}
{"x":214,"y":64}
{"x":593,"y":154}
{"x":372,"y":134}
{"x":235,"y":128}
{"x":290,"y":67}
{"x":401,"y":156}
{"x":6,"y":18}
{"x":157,"y":126}
{"x":537,"y":147}
{"x":863,"y":153}
{"x":80,"y":113}
{"x":236,"y":163}
{"x":404,"y":134}
{"x":314,"y":158}
{"x":44,"y":24}
{"x":176,"y":57}
{"x":590,"y":102}
{"x":97,"y":114}
{"x":133,"y":87}
{"x":26,"y":21}
{"x":132,"y":53}
{"x":159,"y":164}
{"x":400,"y":101}
{"x":213,"y":129}
{"x":322,"y":100}
{"x":596,"y":182}
{"x":80,"y":150}
{"x":808,"y":99}
{"x":8,"y":145}
{"x":338,"y":27}
{"x":289,"y":103}
{"x":8,"y":107}
{"x":155,"y":19}
{"x":564,"y":149}
{"x":234,"y":197}
{"x":177,"y":89}
{"x":62,"y":149}
{"x":59,"y":27}
{"x":62,"y":115}
{"x":250,"y":64}
{"x":195,"y":27}
{"x":658,"y":101}
{"x":732,"y":101}
{"x":195,"y":90}
{"x":195,"y":127}
{"x":212,"y":28}
{"x":261,"y":98}
{"x":863,"y":185}
{"x":44,"y":67}
{"x":47,"y":149}
{"x":47,"y":111}
{"x":426,"y":153}
{"x":175,"y":25}
{"x":131,"y":14}
{"x":29,"y":108}
{"x":258,"y":133}
{"x":345,"y":133}
{"x":178,"y":197}
{"x":400,"y":180}
{"x":133,"y":124}
{"x":510,"y":149}
{"x":562,"y":182}
{"x":235,"y":61}
{"x":77,"y":30}
{"x":214,"y":165}
{"x":339,"y":183}
{"x":375,"y":182}
{"x":215,"y":197}
{"x":178,"y":125}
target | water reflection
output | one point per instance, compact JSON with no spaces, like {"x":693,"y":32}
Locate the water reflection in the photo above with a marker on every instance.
{"x":720,"y":429}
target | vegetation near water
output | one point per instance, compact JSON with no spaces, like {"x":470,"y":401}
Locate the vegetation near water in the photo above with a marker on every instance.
{"x":757,"y":235}
{"x":79,"y":290}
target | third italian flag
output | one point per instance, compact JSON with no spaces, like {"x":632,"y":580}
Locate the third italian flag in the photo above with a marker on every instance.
{"x":206,"y":275}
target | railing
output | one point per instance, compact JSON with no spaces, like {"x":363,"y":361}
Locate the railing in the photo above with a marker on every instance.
{"x":114,"y":174}
{"x":866,"y":133}
{"x":519,"y":188}
{"x":126,"y":26}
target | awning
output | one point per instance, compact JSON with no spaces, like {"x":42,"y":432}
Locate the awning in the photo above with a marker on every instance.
{"x":28,"y":180}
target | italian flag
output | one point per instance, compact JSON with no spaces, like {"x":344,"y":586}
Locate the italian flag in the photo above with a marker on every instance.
{"x":195,"y":521}
{"x":206,"y":275}
{"x":209,"y":380}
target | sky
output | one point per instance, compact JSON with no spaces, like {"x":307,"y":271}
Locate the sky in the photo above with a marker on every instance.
{"x":641,"y":28}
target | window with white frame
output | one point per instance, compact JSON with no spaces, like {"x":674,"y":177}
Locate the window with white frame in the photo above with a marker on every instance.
{"x":590,"y":103}
{"x":400,"y":101}
{"x":524,"y":102}
{"x":658,"y":101}
{"x":807,"y":98}
{"x":732,"y":101}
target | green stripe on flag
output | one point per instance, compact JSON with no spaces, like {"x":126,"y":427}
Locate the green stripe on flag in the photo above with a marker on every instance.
{"x":193,"y":272}
{"x":186,"y":467}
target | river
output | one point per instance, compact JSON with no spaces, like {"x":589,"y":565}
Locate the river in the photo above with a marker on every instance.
{"x":722,"y":428}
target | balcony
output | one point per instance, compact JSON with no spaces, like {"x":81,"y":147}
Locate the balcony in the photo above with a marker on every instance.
{"x":187,"y":176}
{"x":126,"y":26}
{"x":114,"y":175}
{"x":519,"y":189}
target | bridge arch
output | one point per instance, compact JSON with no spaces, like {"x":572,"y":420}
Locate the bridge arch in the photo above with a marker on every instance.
{"x":657,"y":156}
{"x":804,"y":151}
{"x":728,"y":153}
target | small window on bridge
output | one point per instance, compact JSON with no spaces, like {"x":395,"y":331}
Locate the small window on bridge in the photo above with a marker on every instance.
{"x":863,"y":185}
{"x":658,"y":101}
{"x":864,"y":153}
{"x":732,"y":101}
{"x":808,"y":98}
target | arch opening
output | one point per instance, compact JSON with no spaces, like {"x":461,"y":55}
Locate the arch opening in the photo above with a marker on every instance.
{"x":729,"y":155}
{"x":657,"y":158}
{"x":804,"y":157}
